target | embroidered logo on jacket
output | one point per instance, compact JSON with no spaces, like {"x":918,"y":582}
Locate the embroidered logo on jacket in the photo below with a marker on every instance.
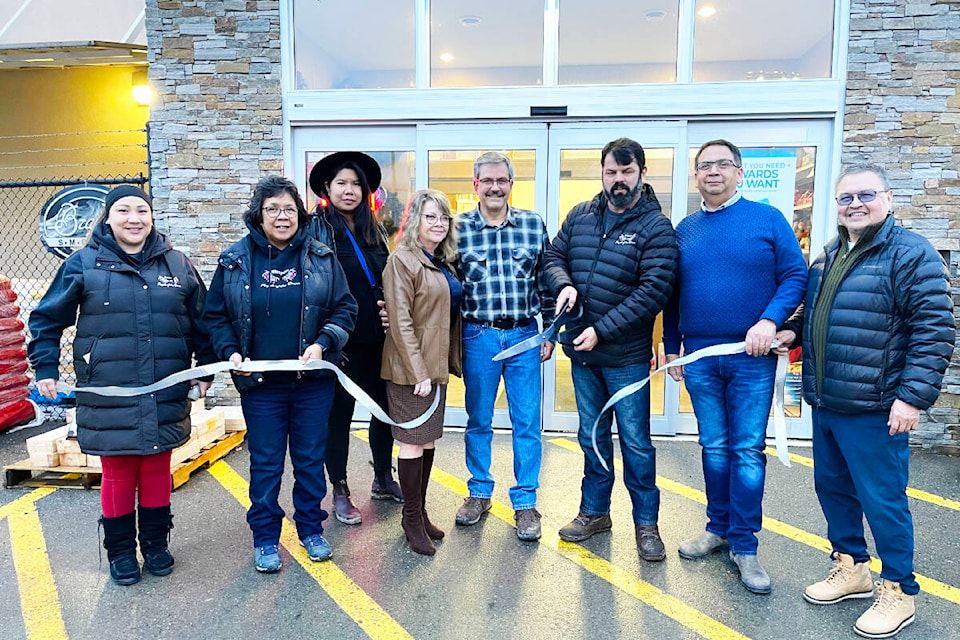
{"x":627,"y":238}
{"x":168,"y":281}
{"x":279,"y":278}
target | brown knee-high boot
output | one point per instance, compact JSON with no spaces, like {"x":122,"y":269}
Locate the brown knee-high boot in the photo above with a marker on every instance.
{"x":433,"y":531}
{"x":410,"y":471}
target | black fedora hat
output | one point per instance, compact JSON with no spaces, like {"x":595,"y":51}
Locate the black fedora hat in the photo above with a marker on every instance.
{"x":322,"y":172}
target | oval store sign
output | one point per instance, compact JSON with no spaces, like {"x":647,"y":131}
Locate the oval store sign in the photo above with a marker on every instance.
{"x":67,"y":217}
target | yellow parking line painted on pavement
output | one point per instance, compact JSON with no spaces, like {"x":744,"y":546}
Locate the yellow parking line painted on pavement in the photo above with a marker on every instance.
{"x":18,"y":505}
{"x":931,"y":586}
{"x":39,"y":601}
{"x":623,"y":580}
{"x":368,"y":615}
{"x":917,"y":494}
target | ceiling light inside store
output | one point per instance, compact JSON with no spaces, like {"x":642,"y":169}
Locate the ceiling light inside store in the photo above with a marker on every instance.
{"x":707,"y":11}
{"x":446,"y":57}
{"x":469,"y":21}
{"x":39,"y":60}
{"x":655,"y":15}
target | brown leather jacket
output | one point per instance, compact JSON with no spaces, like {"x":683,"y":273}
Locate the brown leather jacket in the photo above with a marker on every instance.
{"x":421,"y":342}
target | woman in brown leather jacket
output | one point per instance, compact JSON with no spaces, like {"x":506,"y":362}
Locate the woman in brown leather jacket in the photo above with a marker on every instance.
{"x":422,"y":348}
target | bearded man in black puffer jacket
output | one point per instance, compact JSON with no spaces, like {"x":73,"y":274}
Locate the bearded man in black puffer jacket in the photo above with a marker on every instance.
{"x":615,"y":256}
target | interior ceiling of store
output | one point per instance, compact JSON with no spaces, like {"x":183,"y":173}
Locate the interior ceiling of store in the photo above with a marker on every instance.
{"x":487,"y":34}
{"x":36,"y":34}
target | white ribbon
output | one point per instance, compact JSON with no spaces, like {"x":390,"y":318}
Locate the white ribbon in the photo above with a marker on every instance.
{"x":731,"y":348}
{"x":259,"y":366}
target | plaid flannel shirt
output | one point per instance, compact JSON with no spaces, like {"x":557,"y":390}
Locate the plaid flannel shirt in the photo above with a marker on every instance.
{"x":502,"y":266}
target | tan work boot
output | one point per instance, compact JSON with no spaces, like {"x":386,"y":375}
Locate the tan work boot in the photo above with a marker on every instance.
{"x":889,"y":613}
{"x":847,"y":579}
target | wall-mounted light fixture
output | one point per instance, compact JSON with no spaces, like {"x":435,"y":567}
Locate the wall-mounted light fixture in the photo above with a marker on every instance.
{"x":142,"y":93}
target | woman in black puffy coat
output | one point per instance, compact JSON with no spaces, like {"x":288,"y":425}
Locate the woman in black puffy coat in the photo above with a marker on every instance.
{"x":139,"y":303}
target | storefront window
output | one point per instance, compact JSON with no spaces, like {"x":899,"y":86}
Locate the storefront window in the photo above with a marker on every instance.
{"x":360,"y":44}
{"x":637,"y":44}
{"x":496,"y":43}
{"x":396,"y":186}
{"x":580,"y":181}
{"x":761,"y":40}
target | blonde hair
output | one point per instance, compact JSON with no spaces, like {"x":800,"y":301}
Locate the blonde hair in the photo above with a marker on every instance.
{"x":410,"y":239}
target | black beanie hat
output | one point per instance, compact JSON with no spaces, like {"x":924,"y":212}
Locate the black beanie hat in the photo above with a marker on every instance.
{"x":123,"y":191}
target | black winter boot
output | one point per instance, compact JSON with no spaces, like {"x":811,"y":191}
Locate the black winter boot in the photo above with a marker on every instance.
{"x":120,"y":541}
{"x":155,"y":526}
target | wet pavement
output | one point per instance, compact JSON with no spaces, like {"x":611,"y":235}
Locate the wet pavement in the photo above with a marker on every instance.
{"x":483,"y":583}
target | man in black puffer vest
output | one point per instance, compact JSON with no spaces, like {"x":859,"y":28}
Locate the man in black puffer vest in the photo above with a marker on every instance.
{"x":878,"y":334}
{"x":615,"y":256}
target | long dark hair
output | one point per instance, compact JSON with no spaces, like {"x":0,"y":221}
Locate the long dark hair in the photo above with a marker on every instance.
{"x":271,"y":187}
{"x":364,"y":224}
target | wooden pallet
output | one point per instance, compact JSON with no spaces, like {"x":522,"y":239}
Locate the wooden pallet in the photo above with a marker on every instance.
{"x":23,"y":474}
{"x":213,"y":452}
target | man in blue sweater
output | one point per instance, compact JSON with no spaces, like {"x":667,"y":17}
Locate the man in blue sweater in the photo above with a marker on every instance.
{"x":741,"y":276}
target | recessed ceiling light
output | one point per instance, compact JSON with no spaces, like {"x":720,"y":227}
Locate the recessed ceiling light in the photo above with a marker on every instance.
{"x":655,"y":15}
{"x":39,"y":60}
{"x":469,"y":21}
{"x":707,"y":11}
{"x":446,"y":56}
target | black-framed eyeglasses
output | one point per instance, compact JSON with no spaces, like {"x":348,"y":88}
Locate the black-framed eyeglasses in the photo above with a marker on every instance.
{"x":273,"y":212}
{"x":723,"y":165}
{"x":433,"y":219}
{"x":865,"y":196}
{"x":500,"y":182}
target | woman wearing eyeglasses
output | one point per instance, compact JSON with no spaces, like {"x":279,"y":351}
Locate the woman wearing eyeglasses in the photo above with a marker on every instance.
{"x":345,"y":221}
{"x":279,"y":294}
{"x":422,"y":348}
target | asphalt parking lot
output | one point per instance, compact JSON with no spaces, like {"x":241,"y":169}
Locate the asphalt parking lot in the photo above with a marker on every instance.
{"x":482,"y":583}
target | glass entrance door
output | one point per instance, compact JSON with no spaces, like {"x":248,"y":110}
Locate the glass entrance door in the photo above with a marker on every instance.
{"x":557,"y":166}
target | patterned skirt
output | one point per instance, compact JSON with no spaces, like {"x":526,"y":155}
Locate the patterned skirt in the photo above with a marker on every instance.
{"x":404,"y":406}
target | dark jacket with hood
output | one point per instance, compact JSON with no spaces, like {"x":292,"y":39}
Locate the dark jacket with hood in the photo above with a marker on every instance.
{"x":890,"y":331}
{"x":139,"y":321}
{"x":328,"y":311}
{"x":623,"y":277}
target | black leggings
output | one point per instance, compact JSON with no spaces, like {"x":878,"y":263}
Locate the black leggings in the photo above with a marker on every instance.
{"x":363,"y":367}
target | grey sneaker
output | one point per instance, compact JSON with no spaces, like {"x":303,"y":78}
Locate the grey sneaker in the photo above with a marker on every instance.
{"x":702,"y":546}
{"x":752,"y":575}
{"x":528,"y":524}
{"x":584,"y":526}
{"x":471,"y":510}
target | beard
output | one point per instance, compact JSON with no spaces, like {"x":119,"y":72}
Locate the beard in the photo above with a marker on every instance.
{"x":621,"y":200}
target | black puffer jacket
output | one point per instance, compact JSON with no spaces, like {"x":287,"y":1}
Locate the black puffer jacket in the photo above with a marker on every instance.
{"x":328,"y":311}
{"x":623,"y":278}
{"x":136,"y":325}
{"x":890,"y":333}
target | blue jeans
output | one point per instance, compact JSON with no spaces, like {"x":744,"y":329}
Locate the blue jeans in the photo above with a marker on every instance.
{"x":275,"y":414}
{"x":521,"y":380}
{"x":860,"y":469}
{"x":593,"y":386}
{"x":731,"y":398}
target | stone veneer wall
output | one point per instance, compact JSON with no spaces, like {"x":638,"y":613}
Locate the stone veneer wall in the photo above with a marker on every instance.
{"x":903,"y":111}
{"x":216,"y":126}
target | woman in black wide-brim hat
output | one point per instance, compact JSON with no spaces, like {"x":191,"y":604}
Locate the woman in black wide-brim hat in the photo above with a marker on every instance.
{"x":344,"y":181}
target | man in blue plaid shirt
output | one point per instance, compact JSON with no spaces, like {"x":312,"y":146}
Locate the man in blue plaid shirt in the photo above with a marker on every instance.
{"x":501,"y":257}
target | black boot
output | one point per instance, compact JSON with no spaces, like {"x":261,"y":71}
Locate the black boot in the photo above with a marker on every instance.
{"x":435,"y":532}
{"x":410,"y":472}
{"x":155,"y":526}
{"x":120,"y":541}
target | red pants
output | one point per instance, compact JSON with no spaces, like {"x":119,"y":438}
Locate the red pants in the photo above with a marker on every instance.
{"x":124,"y":476}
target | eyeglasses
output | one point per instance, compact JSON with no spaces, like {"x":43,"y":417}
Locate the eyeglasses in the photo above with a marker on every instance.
{"x":723,"y":165}
{"x":500,"y":182}
{"x":273,"y":212}
{"x":865,"y":196}
{"x":433,"y":219}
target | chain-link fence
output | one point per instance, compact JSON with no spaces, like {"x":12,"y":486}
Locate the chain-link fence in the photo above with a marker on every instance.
{"x":42,"y":221}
